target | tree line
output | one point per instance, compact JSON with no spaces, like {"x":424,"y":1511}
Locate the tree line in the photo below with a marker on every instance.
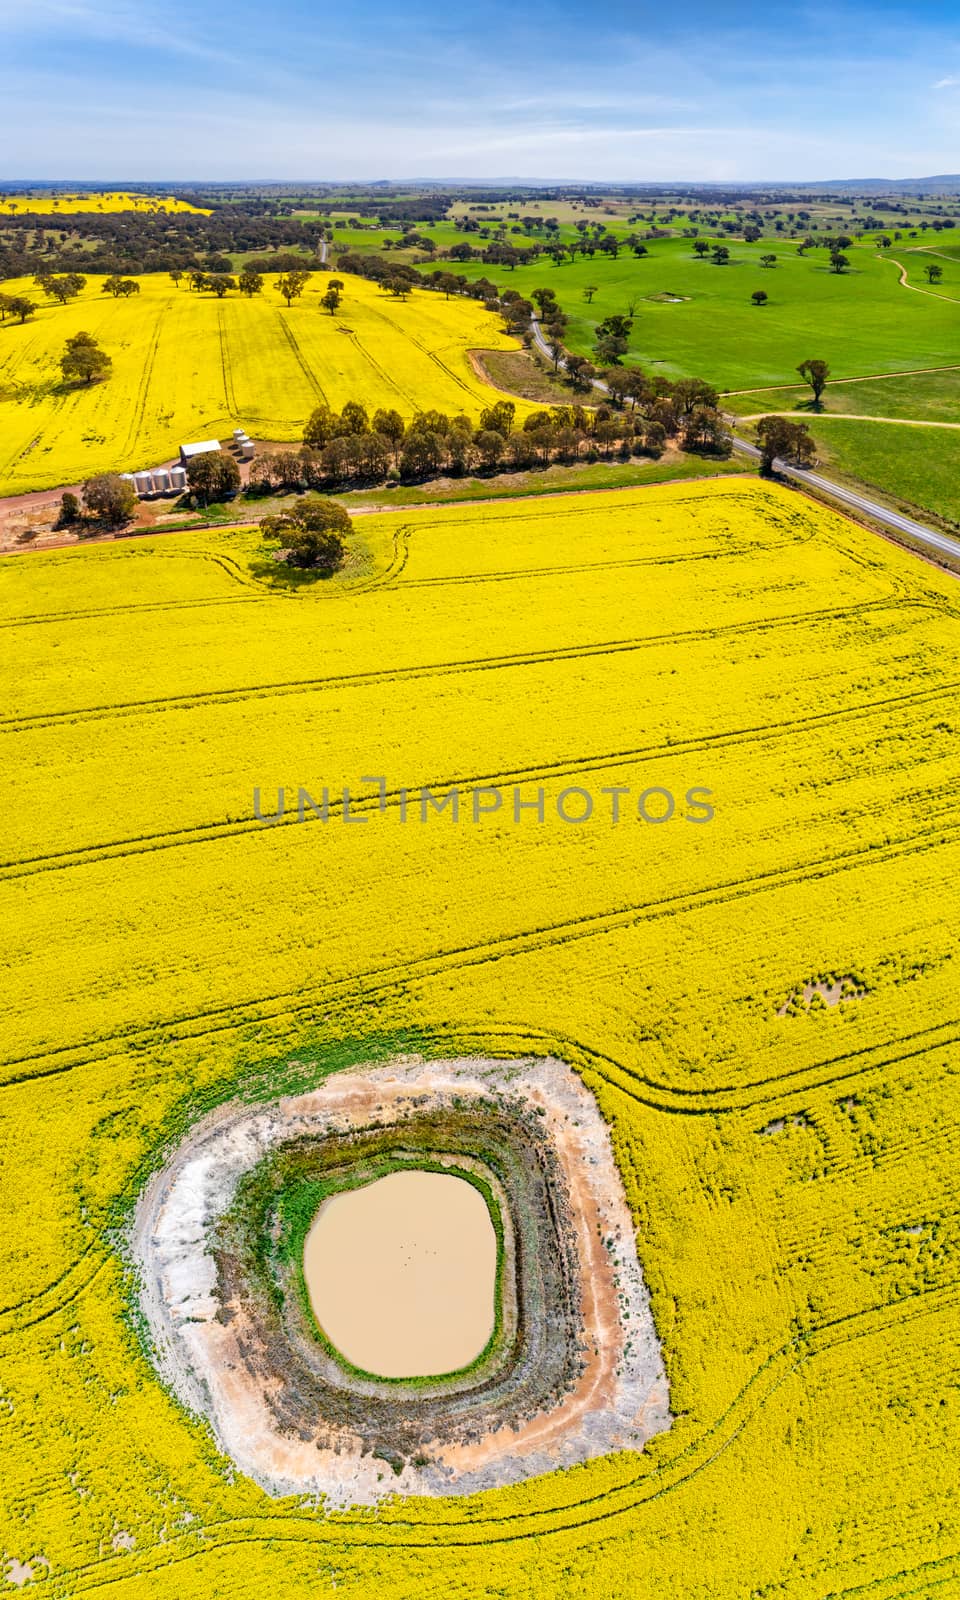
{"x":350,"y":447}
{"x":134,"y":243}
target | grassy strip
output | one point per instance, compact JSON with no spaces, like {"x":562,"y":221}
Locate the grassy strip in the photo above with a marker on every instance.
{"x":917,"y":469}
{"x":925,"y":397}
{"x":553,"y":480}
{"x":448,"y":491}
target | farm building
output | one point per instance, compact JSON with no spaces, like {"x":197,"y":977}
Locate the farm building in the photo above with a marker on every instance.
{"x":204,"y":448}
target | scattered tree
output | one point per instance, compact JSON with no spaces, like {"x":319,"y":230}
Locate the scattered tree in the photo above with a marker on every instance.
{"x":789,"y":441}
{"x":83,"y":360}
{"x":292,"y":285}
{"x":816,"y":374}
{"x":17,"y":305}
{"x":759,"y":297}
{"x":768,"y":261}
{"x":109,"y":499}
{"x":838,"y":261}
{"x":214,"y":476}
{"x":250,"y":282}
{"x":311,"y":533}
{"x":934,"y":272}
{"x":720,"y":255}
{"x":64,"y":288}
{"x":331,"y":299}
{"x":120,"y":288}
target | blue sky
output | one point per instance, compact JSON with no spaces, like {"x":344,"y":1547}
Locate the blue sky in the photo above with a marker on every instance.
{"x":136,"y":89}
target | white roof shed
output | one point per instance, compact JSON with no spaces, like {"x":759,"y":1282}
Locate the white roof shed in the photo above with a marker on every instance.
{"x":204,"y":448}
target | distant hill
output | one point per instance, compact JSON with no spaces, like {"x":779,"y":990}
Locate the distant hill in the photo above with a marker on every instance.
{"x":944,"y":183}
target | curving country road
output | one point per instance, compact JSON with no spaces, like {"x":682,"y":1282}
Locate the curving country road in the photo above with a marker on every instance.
{"x":928,"y":538}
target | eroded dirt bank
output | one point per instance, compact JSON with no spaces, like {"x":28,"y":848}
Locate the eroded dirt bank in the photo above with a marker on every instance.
{"x":566,"y":1382}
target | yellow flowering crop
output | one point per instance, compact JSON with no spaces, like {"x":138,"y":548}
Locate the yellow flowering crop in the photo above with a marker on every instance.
{"x":187,"y":366}
{"x":763,"y":1004}
{"x":69,"y":205}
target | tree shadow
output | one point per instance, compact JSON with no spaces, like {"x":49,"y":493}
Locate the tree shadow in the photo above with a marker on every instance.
{"x":276,"y":575}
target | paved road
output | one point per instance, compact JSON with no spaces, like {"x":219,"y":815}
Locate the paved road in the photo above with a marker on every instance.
{"x":939,"y":543}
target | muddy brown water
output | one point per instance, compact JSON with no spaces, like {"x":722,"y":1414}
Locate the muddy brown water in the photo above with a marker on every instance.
{"x":401,"y":1274}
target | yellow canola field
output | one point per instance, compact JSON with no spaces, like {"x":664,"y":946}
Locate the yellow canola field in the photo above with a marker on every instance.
{"x":189,"y":366}
{"x":765,"y":1006}
{"x":45,"y":205}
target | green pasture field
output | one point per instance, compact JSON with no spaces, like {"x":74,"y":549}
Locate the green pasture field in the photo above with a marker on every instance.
{"x":947,"y":257}
{"x":924,"y":397}
{"x":446,"y":234}
{"x":565,"y":211}
{"x":862,"y":321}
{"x":240,"y":258}
{"x":912,"y":467}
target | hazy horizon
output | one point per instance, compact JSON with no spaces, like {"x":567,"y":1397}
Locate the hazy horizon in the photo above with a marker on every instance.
{"x":112,"y":182}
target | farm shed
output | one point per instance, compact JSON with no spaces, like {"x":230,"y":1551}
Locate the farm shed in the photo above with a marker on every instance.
{"x":204,"y":448}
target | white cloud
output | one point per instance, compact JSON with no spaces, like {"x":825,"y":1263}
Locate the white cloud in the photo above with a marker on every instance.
{"x":947,"y":83}
{"x":111,"y":22}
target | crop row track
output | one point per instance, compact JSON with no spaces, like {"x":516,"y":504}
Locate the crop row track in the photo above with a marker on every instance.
{"x":390,"y":382}
{"x":305,"y":1000}
{"x":229,"y":392}
{"x":301,"y":359}
{"x":138,"y":410}
{"x":574,"y":766}
{"x":590,"y":1511}
{"x":430,"y":354}
{"x":45,"y":719}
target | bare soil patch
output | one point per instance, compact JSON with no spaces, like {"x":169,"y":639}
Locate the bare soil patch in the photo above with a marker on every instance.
{"x":516,"y":373}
